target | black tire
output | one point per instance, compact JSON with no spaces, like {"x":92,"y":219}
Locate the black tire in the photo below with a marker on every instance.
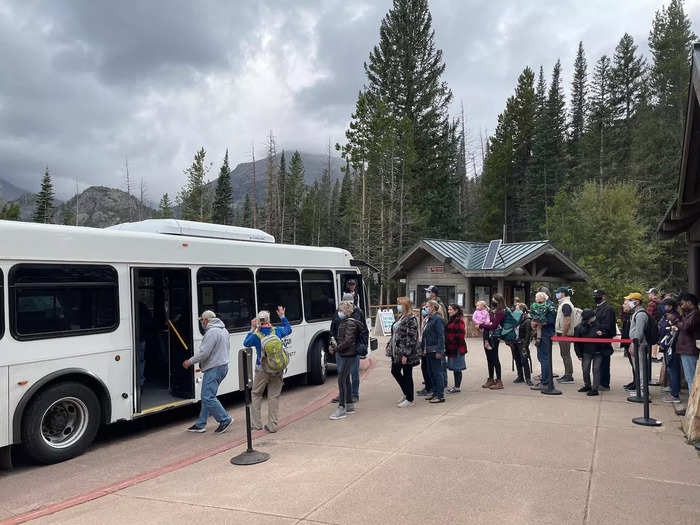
{"x":65,"y":431}
{"x":317,"y":367}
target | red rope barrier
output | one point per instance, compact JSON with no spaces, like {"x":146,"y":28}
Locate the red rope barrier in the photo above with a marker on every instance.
{"x":590,"y":339}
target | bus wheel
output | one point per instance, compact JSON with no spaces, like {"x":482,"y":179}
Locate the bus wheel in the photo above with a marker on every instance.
{"x":60,"y":422}
{"x":317,"y":363}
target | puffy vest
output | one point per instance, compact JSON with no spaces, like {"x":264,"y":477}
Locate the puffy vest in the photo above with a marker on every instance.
{"x":559,"y":323}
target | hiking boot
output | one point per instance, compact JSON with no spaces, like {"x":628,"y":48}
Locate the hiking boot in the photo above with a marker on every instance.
{"x":565,"y":379}
{"x":668,"y":398}
{"x":497,"y":385}
{"x":592,"y":393}
{"x":518,"y":380}
{"x":338,"y":414}
{"x":195,"y":428}
{"x":488,"y":383}
{"x":223,"y":426}
{"x":405,"y":403}
{"x":584,"y":389}
{"x":350,"y":408}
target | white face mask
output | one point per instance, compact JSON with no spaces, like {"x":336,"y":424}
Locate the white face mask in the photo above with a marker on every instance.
{"x":632,"y":304}
{"x":427,"y":295}
{"x":399,"y":308}
{"x":558,"y":295}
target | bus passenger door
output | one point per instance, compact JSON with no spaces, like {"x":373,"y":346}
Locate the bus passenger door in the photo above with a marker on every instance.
{"x":162,"y":338}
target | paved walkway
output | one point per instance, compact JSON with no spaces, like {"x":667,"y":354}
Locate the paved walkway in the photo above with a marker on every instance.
{"x":511,"y":456}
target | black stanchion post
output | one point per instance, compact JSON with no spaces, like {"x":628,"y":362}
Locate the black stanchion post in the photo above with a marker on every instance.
{"x":646,"y":420}
{"x":550,"y":390}
{"x":637,"y":398}
{"x":245,"y":379}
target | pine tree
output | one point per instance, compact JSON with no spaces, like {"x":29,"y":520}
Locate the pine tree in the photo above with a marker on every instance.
{"x":556,"y":131}
{"x":272,"y":208}
{"x":600,"y":122}
{"x":165,"y":208}
{"x":524,"y":113}
{"x":283,"y":179}
{"x":295,"y":194}
{"x":579,"y":100}
{"x":334,"y":223}
{"x":43,"y":210}
{"x":247,"y":219}
{"x":222,"y":211}
{"x":626,"y":79}
{"x":537,"y":187}
{"x":194,"y":196}
{"x":10,"y":211}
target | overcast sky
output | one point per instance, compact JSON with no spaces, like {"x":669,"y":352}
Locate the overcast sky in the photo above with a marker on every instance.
{"x":86,"y":83}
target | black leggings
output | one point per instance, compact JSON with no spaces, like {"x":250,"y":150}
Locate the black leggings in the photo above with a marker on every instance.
{"x":522,"y":365}
{"x":404,"y":377}
{"x":492,"y":359}
{"x":458,"y":378}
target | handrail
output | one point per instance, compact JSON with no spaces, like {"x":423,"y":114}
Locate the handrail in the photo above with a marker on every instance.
{"x":177,"y":334}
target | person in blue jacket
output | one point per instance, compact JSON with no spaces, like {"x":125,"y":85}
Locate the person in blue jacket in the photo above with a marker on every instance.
{"x":261,"y":327}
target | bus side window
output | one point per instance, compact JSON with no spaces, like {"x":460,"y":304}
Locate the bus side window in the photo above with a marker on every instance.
{"x":54,"y":300}
{"x":280,"y":288}
{"x":2,"y":304}
{"x":230,"y":293}
{"x":319,"y":295}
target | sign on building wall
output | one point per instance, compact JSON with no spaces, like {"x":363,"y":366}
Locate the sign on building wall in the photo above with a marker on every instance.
{"x":436,"y":269}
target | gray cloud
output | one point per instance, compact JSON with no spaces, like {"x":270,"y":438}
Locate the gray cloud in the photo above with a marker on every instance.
{"x":87,"y":83}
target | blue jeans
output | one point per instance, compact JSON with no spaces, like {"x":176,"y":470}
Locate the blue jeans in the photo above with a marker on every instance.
{"x":673,"y":368}
{"x":210,"y":404}
{"x":543,"y":350}
{"x":689,"y":364}
{"x":354,"y":371}
{"x":437,"y":378}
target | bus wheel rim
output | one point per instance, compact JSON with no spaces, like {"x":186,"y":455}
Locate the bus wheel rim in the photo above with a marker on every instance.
{"x":64,"y":422}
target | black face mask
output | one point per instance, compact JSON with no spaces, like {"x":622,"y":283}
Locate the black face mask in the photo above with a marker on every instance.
{"x":598,"y":300}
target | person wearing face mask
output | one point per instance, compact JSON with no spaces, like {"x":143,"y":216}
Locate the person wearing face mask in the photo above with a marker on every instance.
{"x":455,"y":345}
{"x":358,"y":314}
{"x":433,"y":344}
{"x":403,"y":350}
{"x":345,"y":351}
{"x":589,"y":353}
{"x":605,"y":316}
{"x":625,"y":317}
{"x":432,"y":294}
{"x":688,"y":333}
{"x":638,"y":327}
{"x":498,"y":314}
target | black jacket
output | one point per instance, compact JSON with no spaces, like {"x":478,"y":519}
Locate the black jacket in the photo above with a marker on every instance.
{"x":605,"y":317}
{"x":348,"y":331}
{"x":335,"y":323}
{"x":588,"y":330}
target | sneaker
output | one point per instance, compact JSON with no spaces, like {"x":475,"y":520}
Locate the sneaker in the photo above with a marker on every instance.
{"x":453,"y":390}
{"x":338,"y":414}
{"x":271,"y":431}
{"x":336,"y":399}
{"x":668,"y":398}
{"x":195,"y":428}
{"x":403,"y":398}
{"x":405,"y":403}
{"x":223,"y":426}
{"x":497,"y":385}
{"x":488,"y":383}
{"x":350,"y":408}
{"x":565,"y":379}
{"x":604,"y":388}
{"x":584,"y":389}
{"x":518,"y":380}
{"x":592,"y":393}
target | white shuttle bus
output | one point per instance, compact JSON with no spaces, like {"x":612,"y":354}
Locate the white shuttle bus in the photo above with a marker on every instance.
{"x":95,"y":324}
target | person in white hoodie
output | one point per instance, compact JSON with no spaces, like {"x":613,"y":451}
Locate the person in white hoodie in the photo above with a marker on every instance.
{"x":213,"y":356}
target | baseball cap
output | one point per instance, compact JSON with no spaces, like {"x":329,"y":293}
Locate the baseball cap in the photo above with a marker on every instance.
{"x":207,"y":314}
{"x":634,"y":295}
{"x":562,"y":289}
{"x":653,"y":290}
{"x":587,"y":314}
{"x":598,"y":293}
{"x":433,"y":289}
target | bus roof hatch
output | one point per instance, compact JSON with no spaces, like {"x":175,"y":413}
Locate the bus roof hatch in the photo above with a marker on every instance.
{"x":195,"y":229}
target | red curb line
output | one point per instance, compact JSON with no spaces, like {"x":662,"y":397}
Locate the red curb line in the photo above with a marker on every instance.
{"x":176,"y":465}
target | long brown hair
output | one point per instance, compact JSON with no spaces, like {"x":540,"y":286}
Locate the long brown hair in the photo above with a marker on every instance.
{"x":500,"y":301}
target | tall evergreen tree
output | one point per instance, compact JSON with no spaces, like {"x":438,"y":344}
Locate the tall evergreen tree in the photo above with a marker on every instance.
{"x":626,"y":79}
{"x":222,"y":209}
{"x":600,"y":122}
{"x":537,"y":187}
{"x":283,"y":177}
{"x":194,"y":196}
{"x":579,"y":99}
{"x":43,"y":209}
{"x":271,"y":213}
{"x":555,"y":153}
{"x":10,"y":211}
{"x":294,"y":191}
{"x":165,"y":208}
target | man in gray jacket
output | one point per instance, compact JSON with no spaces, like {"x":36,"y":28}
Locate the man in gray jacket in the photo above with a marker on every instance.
{"x":213,"y":361}
{"x":638,"y":326}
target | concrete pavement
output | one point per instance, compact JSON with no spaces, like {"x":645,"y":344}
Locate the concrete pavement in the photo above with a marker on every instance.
{"x":510,"y":456}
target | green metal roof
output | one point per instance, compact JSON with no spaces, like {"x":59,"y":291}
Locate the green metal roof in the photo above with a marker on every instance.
{"x":470,"y":255}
